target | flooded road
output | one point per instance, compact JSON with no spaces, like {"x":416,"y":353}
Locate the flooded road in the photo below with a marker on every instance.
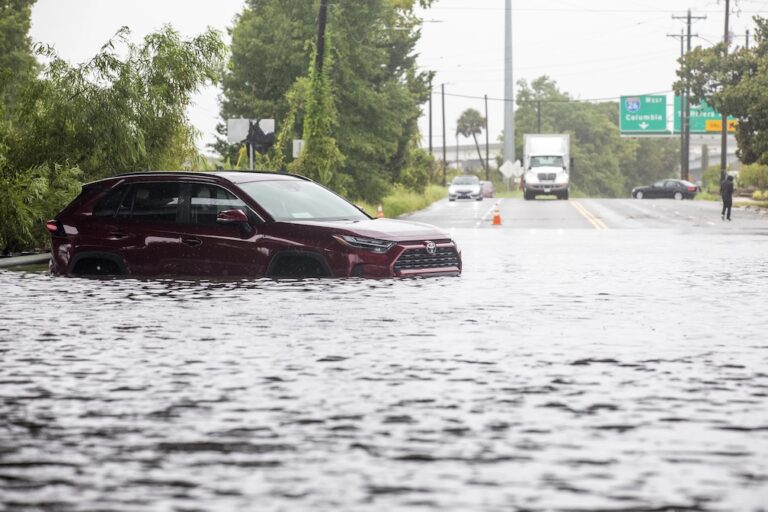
{"x":569,"y":370}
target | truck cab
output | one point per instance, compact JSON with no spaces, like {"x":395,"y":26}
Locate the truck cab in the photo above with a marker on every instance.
{"x":546,"y":165}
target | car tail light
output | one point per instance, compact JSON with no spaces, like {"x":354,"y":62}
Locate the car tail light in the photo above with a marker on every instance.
{"x":691,"y":189}
{"x":55,"y":228}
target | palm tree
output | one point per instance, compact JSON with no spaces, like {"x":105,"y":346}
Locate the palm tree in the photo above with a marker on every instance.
{"x":472,"y":123}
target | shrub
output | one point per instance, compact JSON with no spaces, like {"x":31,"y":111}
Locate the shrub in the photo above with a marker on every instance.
{"x":28,"y":199}
{"x":757,"y":195}
{"x":754,"y":175}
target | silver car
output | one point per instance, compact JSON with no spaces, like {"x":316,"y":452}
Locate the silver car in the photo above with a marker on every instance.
{"x":465,"y":187}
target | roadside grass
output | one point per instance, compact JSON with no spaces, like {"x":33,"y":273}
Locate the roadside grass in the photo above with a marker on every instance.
{"x":401,"y":201}
{"x":751,"y":204}
{"x":706,"y":196}
{"x":509,"y":194}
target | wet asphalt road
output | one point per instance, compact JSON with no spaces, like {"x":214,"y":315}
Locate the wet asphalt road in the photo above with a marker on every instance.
{"x":595,"y":355}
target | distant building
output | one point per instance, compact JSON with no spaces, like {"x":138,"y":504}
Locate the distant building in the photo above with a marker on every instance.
{"x":464,"y":156}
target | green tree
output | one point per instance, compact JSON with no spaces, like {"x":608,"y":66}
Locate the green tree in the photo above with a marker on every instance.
{"x":471,"y":123}
{"x":17,"y":62}
{"x":320,"y":159}
{"x":124,"y":110}
{"x":734,"y":84}
{"x":374,"y":82}
{"x":116,"y":113}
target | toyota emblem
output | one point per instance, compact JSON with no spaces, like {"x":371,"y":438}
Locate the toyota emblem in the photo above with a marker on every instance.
{"x":431,"y":247}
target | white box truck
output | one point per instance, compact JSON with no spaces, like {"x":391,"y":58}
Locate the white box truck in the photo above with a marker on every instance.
{"x":546,"y":165}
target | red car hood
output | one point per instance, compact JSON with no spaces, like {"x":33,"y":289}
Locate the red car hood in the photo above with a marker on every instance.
{"x":383,"y":229}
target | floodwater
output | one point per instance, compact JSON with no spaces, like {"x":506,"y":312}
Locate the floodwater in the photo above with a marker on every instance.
{"x":564,"y":370}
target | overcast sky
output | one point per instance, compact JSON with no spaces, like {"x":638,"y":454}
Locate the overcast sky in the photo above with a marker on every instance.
{"x":594,"y":49}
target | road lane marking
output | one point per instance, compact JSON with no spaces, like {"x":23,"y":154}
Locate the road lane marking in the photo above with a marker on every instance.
{"x":597,"y":223}
{"x":490,"y":210}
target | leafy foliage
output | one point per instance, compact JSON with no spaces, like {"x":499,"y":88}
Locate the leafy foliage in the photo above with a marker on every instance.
{"x":320,"y":158}
{"x":124,"y":110}
{"x":373,"y":81}
{"x":604,"y":163}
{"x":734,"y":84}
{"x":17,"y":63}
{"x":754,"y":175}
{"x":28,"y":199}
{"x":113,"y":114}
{"x":471,"y":123}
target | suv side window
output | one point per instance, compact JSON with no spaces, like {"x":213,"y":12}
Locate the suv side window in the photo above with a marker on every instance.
{"x":108,"y":205}
{"x":151,"y":202}
{"x":207,"y":201}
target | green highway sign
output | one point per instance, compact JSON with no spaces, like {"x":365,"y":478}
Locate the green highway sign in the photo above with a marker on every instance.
{"x":643,"y":115}
{"x":702,"y":118}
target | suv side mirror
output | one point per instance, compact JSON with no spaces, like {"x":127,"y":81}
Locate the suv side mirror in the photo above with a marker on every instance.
{"x":232,"y":217}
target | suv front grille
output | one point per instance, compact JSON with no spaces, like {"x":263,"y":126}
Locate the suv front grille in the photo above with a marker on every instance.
{"x":546,"y":176}
{"x":415,"y":259}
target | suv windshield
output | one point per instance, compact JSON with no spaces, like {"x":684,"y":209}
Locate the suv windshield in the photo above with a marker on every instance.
{"x":466,"y":180}
{"x":287,"y":200}
{"x":546,"y":161}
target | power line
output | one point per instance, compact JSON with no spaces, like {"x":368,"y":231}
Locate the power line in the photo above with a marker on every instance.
{"x":569,"y":100}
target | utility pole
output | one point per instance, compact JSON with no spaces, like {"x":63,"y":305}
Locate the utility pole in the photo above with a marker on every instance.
{"x":538,"y":116}
{"x":509,"y":87}
{"x":442,"y":89}
{"x":682,"y":107}
{"x":430,"y":116}
{"x":686,"y":117}
{"x":321,"y":19}
{"x":487,"y":159}
{"x":724,"y":127}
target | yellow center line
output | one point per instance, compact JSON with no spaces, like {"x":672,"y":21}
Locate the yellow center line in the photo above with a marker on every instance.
{"x":597,"y":223}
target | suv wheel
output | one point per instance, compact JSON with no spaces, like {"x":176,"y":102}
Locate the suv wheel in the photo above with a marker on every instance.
{"x":96,"y":267}
{"x":297,"y":266}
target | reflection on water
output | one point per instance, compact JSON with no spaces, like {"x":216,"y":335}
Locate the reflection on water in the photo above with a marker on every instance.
{"x":571,"y":371}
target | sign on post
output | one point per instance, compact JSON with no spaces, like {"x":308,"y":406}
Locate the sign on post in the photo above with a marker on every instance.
{"x":643,"y":115}
{"x":258,"y":134}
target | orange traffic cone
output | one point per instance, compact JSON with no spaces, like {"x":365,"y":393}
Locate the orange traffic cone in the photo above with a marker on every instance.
{"x":496,"y":216}
{"x":380,"y":212}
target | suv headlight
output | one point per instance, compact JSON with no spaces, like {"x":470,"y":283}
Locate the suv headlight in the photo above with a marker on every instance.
{"x":367,"y":244}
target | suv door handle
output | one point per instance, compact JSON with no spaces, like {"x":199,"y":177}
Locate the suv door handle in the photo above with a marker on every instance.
{"x":118,"y":235}
{"x":191,"y":241}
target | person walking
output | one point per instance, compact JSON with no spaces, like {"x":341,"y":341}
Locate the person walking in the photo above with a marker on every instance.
{"x":726,"y":192}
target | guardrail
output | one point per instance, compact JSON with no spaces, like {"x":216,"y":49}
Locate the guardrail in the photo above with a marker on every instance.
{"x":28,"y":259}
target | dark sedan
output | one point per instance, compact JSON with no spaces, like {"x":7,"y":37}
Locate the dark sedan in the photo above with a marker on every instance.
{"x":672,"y":189}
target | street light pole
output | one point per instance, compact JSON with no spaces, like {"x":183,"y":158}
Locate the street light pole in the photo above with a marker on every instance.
{"x":487,"y":159}
{"x":509,"y":87}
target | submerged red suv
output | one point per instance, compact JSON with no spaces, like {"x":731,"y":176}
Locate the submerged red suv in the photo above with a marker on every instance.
{"x":236,"y":224}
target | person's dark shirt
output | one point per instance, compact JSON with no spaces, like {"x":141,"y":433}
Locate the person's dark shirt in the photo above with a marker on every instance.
{"x":726,"y":191}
